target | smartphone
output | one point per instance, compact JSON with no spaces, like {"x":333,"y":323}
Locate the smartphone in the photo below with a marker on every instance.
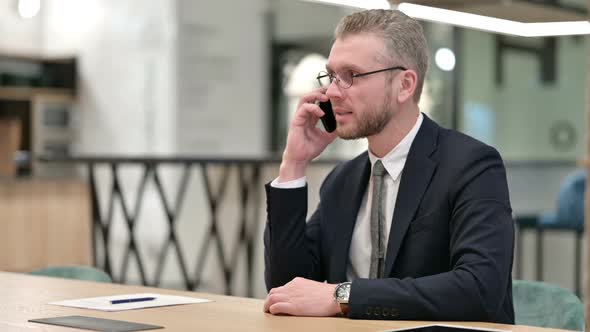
{"x":446,"y":328}
{"x":328,"y":120}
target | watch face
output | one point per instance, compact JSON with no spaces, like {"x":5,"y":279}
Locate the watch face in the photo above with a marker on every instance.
{"x":343,"y":292}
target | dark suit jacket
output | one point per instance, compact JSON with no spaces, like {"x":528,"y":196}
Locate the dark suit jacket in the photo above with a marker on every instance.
{"x":449,"y":255}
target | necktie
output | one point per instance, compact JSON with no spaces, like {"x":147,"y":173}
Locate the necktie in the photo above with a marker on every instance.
{"x":377,"y":222}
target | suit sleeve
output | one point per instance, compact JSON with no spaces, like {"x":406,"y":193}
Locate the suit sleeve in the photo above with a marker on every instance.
{"x":481,"y":249}
{"x":291,"y":246}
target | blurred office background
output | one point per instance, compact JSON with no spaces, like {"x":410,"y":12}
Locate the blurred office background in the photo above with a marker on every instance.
{"x":137,"y":135}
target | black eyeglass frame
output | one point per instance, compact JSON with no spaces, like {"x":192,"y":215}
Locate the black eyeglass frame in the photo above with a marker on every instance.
{"x":332,"y":77}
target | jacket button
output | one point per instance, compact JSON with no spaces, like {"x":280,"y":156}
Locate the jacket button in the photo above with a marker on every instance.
{"x":377,"y":311}
{"x":384,"y":312}
{"x":394,"y":312}
{"x":369,"y":311}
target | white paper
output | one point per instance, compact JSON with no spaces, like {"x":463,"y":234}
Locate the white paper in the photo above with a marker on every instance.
{"x":103,"y":303}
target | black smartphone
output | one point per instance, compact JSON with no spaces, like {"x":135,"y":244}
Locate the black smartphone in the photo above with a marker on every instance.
{"x":445,"y":328}
{"x":328,"y":120}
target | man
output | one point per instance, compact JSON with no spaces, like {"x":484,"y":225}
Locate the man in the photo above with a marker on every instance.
{"x":419,"y":227}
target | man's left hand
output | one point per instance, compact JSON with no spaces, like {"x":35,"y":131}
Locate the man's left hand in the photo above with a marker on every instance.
{"x":302,"y":297}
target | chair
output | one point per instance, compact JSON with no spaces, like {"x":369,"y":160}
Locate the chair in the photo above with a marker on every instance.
{"x":74,"y":272}
{"x":568,"y":216}
{"x":545,"y":305}
{"x":570,"y":203}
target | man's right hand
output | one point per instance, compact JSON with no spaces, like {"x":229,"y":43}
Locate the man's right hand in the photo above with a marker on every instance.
{"x":305,"y":141}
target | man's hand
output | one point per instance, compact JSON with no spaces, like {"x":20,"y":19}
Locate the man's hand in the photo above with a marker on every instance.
{"x":302,"y":297}
{"x":305,"y":141}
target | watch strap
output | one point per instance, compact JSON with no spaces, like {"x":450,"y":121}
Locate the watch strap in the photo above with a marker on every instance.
{"x":344,"y":308}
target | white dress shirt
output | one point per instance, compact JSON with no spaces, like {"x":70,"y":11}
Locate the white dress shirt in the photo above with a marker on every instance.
{"x":360,"y":246}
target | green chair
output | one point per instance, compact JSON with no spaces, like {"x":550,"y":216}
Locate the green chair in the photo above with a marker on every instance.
{"x":545,"y":305}
{"x":74,"y":272}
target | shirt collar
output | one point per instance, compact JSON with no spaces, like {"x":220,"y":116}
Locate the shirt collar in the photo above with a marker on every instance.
{"x":395,"y":159}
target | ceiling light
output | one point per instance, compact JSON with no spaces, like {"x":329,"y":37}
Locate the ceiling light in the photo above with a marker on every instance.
{"x":445,"y":59}
{"x":557,"y":28}
{"x":364,"y":4}
{"x":492,"y":24}
{"x":28,"y":8}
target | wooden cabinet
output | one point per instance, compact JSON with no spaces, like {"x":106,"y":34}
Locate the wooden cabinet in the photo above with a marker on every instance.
{"x":45,"y":216}
{"x":44,"y":222}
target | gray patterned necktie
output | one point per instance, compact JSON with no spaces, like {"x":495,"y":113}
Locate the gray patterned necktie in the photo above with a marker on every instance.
{"x":377,"y":223}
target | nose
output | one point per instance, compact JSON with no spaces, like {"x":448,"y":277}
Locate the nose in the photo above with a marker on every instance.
{"x":333,"y":90}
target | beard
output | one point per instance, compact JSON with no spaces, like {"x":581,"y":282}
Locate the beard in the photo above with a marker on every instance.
{"x":370,"y":122}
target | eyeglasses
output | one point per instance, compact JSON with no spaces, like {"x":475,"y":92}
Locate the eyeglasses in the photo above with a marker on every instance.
{"x":344,"y":79}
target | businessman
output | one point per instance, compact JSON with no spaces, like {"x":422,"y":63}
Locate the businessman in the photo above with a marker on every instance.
{"x":419,"y":227}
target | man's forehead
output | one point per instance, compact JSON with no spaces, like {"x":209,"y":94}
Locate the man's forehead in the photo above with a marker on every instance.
{"x":356,"y":50}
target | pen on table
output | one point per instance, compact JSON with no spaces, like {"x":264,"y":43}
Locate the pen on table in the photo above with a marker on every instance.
{"x":138,"y":299}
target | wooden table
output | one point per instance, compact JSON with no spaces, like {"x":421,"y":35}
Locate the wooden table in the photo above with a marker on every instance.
{"x":23,"y":297}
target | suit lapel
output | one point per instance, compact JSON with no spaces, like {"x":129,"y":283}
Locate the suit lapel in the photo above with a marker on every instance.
{"x":415,"y":178}
{"x":346,"y":214}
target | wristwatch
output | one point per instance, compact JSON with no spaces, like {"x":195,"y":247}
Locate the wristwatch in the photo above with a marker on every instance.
{"x":341,"y":295}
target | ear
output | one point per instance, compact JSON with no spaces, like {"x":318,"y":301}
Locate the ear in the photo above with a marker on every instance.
{"x":407,"y":87}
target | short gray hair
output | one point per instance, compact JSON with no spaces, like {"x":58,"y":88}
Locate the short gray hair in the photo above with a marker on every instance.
{"x":403,"y":37}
